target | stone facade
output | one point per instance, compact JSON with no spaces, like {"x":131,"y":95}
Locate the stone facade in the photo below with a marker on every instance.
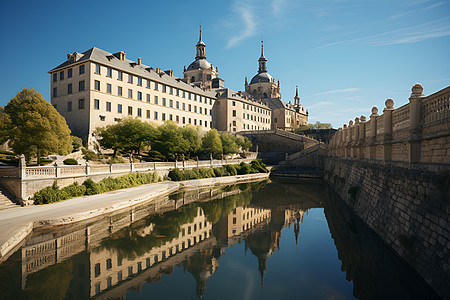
{"x":407,"y":206}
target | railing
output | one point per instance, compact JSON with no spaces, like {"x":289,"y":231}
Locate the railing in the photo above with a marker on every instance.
{"x":85,"y":170}
{"x":436,"y":108}
{"x":403,"y":134}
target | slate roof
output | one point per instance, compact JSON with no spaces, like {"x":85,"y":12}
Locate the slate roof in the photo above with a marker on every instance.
{"x":105,"y":58}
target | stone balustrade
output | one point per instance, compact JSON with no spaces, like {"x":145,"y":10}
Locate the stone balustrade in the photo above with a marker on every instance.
{"x":417,"y":132}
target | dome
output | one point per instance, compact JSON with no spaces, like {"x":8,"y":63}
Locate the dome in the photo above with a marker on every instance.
{"x":199,"y":64}
{"x":262,"y":77}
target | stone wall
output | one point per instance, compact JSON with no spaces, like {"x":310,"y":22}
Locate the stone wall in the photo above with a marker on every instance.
{"x":407,"y":205}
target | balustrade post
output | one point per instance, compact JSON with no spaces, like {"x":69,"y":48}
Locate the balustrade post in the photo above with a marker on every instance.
{"x":184,"y":165}
{"x":373,"y":133}
{"x":362,"y":136}
{"x":415,"y":129}
{"x":88,"y":169}
{"x":210,"y":160}
{"x":57,"y":170}
{"x":22,"y":167}
{"x":110,"y":168}
{"x":387,"y":120}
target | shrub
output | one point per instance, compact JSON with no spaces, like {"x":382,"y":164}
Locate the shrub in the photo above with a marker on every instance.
{"x":244,"y":169}
{"x":231,"y":170}
{"x":74,"y":190}
{"x":154,"y":155}
{"x":45,"y":161}
{"x":89,"y":154}
{"x":91,"y":187}
{"x":206,"y":173}
{"x":115,"y":160}
{"x":219,"y":172}
{"x":258,"y":166}
{"x":70,"y":161}
{"x":176,"y":175}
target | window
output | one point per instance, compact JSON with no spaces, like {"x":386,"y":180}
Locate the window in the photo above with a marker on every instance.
{"x":177,"y":92}
{"x":130,"y":78}
{"x":55,"y":92}
{"x":119,"y":91}
{"x":108,"y":88}
{"x":120,"y":75}
{"x":195,"y":97}
{"x":200,"y":108}
{"x":109,"y":72}
{"x":156,"y":99}
{"x":164,"y":102}
{"x":69,"y":73}
{"x":97,"y":85}
{"x":184,"y":94}
{"x":177,"y":105}
{"x":130,"y":110}
{"x":148,"y":98}
{"x":171,"y":91}
{"x":189,"y":107}
{"x":69,"y":106}
{"x":184,"y":106}
{"x":184,"y":120}
{"x":140,"y":96}
{"x":55,"y":77}
{"x":234,"y":113}
{"x":148,"y":83}
{"x":170,"y":103}
{"x":108,"y":282}
{"x":163,"y":88}
{"x":69,"y":88}
{"x":163,"y":116}
{"x":148,"y":114}
{"x":139,"y":81}
{"x":81,"y":104}
{"x":61,"y":75}
{"x":177,"y":119}
{"x":97,"y":68}
{"x":97,"y":270}
{"x":119,"y":276}
{"x":130,"y":271}
{"x":170,"y":118}
{"x":81,"y":85}
{"x":195,"y":108}
{"x":102,"y":118}
{"x":108,"y":264}
{"x":156,"y":86}
{"x":96,"y":104}
{"x":189,"y":96}
{"x":108,"y":106}
{"x":156,"y":115}
{"x":130,"y":93}
{"x":119,"y":108}
{"x":234,"y":103}
{"x":234,"y":123}
{"x":81,"y":69}
{"x":195,"y":121}
{"x":139,"y":112}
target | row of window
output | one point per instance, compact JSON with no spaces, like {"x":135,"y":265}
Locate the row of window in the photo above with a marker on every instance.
{"x":255,"y":118}
{"x":69,"y":73}
{"x":253,"y":108}
{"x":152,"y":84}
{"x":70,"y":88}
{"x":148,"y":263}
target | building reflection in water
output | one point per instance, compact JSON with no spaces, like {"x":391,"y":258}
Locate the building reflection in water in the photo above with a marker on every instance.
{"x":107,"y":257}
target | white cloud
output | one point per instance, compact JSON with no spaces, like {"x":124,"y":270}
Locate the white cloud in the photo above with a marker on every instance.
{"x":278,"y":6}
{"x":249,"y":27}
{"x":434,"y":5}
{"x":348,"y":90}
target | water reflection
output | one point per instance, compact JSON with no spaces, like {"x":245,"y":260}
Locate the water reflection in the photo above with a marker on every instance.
{"x":111,"y":256}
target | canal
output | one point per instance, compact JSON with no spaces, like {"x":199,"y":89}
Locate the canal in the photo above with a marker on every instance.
{"x":278,"y":239}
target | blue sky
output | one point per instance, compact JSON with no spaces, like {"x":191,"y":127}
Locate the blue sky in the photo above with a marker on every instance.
{"x":345,"y":56}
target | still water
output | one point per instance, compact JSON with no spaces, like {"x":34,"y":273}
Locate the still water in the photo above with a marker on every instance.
{"x":284,"y":239}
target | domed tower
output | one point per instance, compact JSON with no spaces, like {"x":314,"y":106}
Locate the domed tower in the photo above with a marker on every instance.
{"x":200,"y":72}
{"x":262,"y":85}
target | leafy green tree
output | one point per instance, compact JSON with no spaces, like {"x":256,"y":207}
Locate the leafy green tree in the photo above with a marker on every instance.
{"x":211,"y":143}
{"x":244,"y":143}
{"x":169,"y":140}
{"x":77,"y":142}
{"x":229,"y":144}
{"x":128,"y":135}
{"x":34,"y":127}
{"x":192,"y":136}
{"x":319,"y":125}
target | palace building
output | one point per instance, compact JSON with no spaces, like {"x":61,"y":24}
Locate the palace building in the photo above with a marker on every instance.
{"x":97,"y":88}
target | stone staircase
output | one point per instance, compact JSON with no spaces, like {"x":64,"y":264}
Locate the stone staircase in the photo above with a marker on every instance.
{"x":6,"y":200}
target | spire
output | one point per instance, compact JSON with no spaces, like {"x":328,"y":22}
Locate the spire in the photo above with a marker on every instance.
{"x":296,"y":98}
{"x":200,"y":47}
{"x":262,"y":61}
{"x":296,"y":91}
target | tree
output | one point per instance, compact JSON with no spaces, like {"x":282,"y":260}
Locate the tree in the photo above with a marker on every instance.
{"x":127,"y":135}
{"x":34,"y":127}
{"x":192,"y":136}
{"x":169,"y":140}
{"x":77,"y":142}
{"x":211,"y":143}
{"x":244,"y":143}
{"x":319,"y":125}
{"x":229,"y":144}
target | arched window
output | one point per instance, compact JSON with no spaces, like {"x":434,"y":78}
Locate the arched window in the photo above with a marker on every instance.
{"x":193,"y":79}
{"x":265,"y":95}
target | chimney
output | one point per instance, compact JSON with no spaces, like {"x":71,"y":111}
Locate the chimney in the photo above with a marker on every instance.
{"x":169,"y":72}
{"x":122,"y":55}
{"x":139,"y":61}
{"x":68,"y":56}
